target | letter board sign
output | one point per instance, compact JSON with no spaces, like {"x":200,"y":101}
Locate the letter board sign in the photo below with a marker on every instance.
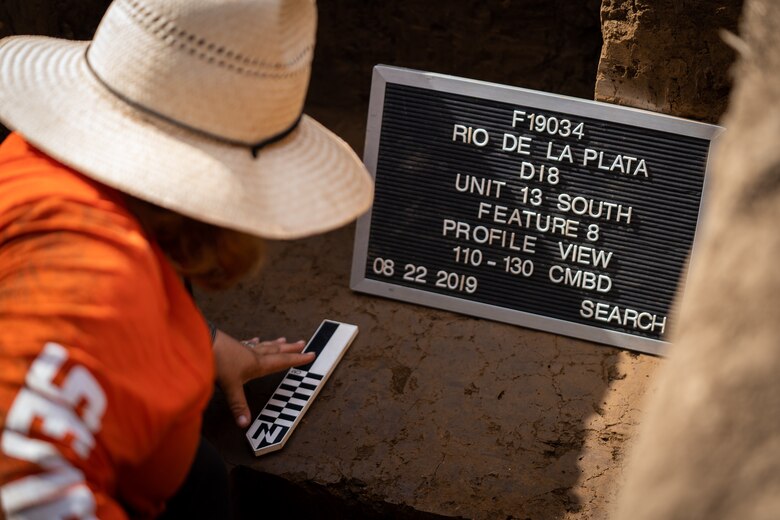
{"x":550,"y":212}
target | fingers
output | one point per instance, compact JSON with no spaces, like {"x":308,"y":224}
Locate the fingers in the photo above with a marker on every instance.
{"x":292,"y":347}
{"x":234,"y":393}
{"x":276,"y":362}
{"x":276,"y":346}
{"x":275,"y":355}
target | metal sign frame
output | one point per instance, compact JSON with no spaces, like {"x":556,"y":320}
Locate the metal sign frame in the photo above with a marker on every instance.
{"x":522,"y":97}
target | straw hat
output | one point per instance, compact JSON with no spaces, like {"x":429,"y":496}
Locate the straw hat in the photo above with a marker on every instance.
{"x":194,"y":105}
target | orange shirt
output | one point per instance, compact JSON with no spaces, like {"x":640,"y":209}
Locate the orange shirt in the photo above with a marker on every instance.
{"x":105,"y":362}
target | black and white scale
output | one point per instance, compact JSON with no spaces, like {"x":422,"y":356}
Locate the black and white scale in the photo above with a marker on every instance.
{"x":275,"y":424}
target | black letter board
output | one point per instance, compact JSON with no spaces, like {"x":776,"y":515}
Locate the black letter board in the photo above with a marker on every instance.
{"x":560,"y":214}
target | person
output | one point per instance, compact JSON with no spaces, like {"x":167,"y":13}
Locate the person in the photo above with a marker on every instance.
{"x":171,"y":145}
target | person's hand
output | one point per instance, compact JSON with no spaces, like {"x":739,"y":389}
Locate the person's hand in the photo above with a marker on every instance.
{"x":238,"y":362}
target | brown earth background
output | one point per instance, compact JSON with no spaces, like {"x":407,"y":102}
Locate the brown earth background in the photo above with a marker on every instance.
{"x":433,"y":414}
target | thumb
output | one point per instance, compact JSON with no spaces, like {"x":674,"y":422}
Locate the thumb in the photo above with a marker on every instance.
{"x":234,"y":393}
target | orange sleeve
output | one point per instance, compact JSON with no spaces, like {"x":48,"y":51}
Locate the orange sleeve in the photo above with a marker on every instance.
{"x":105,"y":363}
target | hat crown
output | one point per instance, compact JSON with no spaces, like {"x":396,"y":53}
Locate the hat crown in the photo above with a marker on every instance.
{"x":235,"y":69}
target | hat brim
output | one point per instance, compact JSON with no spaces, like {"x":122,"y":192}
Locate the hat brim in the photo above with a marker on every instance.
{"x":309,"y":182}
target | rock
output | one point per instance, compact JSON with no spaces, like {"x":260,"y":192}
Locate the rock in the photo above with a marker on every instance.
{"x":667,"y":56}
{"x":709,"y":446}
